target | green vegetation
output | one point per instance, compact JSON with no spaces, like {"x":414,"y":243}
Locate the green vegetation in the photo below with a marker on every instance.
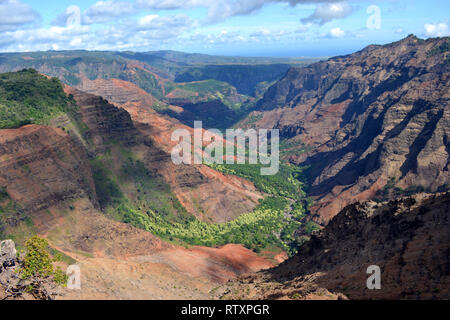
{"x":38,"y":263}
{"x":383,"y":194}
{"x":285,"y":183}
{"x":291,"y":148}
{"x":108,"y":192}
{"x":310,"y":227}
{"x":254,"y":118}
{"x":134,"y":195}
{"x":442,"y":48}
{"x":146,"y":81}
{"x":152,"y":192}
{"x":132,"y":185}
{"x":60,"y":256}
{"x":10,"y":213}
{"x":208,"y":90}
{"x":205,"y":87}
{"x":3,"y":194}
{"x":244,"y":77}
{"x":255,"y":230}
{"x":28,"y":97}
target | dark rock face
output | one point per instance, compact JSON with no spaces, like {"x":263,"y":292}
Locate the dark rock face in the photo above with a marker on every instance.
{"x":407,"y":238}
{"x":43,"y":167}
{"x":214,"y":114}
{"x":105,"y":121}
{"x":377,"y":115}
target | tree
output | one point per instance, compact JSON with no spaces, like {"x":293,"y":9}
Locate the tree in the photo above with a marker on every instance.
{"x":38,"y":263}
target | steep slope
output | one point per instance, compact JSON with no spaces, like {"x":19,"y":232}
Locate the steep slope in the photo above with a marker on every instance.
{"x":201,"y":190}
{"x":40,"y":167}
{"x":48,"y":189}
{"x":53,"y":183}
{"x":373,"y":124}
{"x":407,"y":238}
{"x":137,"y":183}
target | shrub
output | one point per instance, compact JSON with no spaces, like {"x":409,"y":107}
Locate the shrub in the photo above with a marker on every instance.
{"x":27,"y":97}
{"x":37,"y":260}
{"x":38,"y":263}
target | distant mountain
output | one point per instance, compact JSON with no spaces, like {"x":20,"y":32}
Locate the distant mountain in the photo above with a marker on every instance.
{"x":245,"y":78}
{"x":371,"y":125}
{"x":169,"y":77}
{"x":206,"y":59}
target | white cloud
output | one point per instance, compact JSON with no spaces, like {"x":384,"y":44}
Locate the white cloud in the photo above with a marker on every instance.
{"x":336,"y":33}
{"x":218,"y":10}
{"x":269,"y":35}
{"x":14,"y":13}
{"x":437,"y":30}
{"x":103,"y":11}
{"x":327,"y":12}
{"x":168,"y":4}
{"x":149,"y":31}
{"x":222,"y":10}
{"x":176,"y":22}
{"x":73,"y":29}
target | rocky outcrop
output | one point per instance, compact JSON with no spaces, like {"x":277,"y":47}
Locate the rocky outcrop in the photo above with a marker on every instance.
{"x":103,"y":122}
{"x":407,"y":238}
{"x":8,"y":254}
{"x":117,"y":91}
{"x":378,"y":115}
{"x":13,"y":286}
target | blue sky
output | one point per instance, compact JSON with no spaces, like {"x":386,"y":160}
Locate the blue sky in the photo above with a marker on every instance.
{"x":228,"y":27}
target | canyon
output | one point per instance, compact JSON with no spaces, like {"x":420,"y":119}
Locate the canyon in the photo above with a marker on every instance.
{"x":373,"y":124}
{"x":364,"y":177}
